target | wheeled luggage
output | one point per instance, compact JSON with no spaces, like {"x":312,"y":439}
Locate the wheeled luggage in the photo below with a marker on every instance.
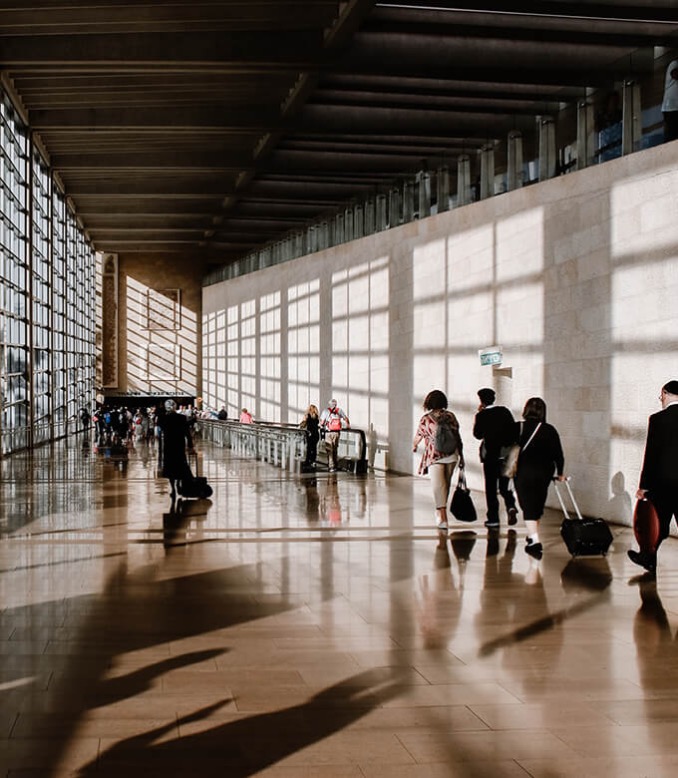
{"x":583,"y":537}
{"x":195,"y":486}
{"x":646,"y":526}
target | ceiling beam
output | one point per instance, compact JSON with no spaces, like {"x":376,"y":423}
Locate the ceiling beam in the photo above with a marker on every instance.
{"x":157,"y":119}
{"x":245,"y":50}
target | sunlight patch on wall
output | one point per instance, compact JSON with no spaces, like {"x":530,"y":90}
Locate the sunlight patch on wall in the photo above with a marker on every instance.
{"x":644,"y":256}
{"x":303,"y":347}
{"x":360,"y":341}
{"x":430,"y":321}
{"x":215,"y":377}
{"x":270,"y":361}
{"x":161,"y":341}
{"x":248,"y":355}
{"x":519,"y":242}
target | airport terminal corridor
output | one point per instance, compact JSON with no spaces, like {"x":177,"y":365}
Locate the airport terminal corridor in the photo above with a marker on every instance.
{"x":314,"y":625}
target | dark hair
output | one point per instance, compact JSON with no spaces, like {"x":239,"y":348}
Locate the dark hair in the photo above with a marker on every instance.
{"x":671,"y":387}
{"x":535,"y":408}
{"x":487,"y":396}
{"x":435,"y":400}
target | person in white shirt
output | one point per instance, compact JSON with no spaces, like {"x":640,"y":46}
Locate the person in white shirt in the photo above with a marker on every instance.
{"x":332,"y":421}
{"x":670,"y":102}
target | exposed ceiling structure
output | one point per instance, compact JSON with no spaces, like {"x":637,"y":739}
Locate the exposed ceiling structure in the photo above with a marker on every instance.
{"x":218,"y":126}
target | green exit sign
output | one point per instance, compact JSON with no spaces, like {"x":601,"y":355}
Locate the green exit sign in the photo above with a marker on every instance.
{"x":491,"y":356}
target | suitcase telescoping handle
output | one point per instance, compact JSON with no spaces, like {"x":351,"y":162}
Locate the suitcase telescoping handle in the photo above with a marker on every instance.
{"x":571,"y":496}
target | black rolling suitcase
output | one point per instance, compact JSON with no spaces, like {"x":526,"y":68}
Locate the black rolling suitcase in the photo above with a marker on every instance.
{"x":194,"y":486}
{"x":583,"y":537}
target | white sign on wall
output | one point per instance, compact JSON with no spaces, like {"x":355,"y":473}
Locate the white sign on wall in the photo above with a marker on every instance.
{"x":492,"y":355}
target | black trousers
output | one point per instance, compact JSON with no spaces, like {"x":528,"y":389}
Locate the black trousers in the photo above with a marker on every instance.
{"x":666,"y":503}
{"x":494,"y":482}
{"x":311,"y":449}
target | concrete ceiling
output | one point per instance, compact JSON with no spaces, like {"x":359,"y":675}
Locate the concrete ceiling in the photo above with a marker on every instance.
{"x":217,"y":126}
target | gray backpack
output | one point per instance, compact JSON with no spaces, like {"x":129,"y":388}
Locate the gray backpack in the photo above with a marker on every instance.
{"x":445,"y":439}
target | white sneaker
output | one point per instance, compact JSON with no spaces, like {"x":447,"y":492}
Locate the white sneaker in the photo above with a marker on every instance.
{"x":442,"y":526}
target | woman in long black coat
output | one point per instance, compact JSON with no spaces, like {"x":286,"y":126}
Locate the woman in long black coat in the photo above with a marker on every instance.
{"x":310,"y":423}
{"x":541,"y":458}
{"x":176,"y":438}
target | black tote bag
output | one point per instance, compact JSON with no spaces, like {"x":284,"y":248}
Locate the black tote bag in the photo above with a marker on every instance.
{"x":462,"y":507}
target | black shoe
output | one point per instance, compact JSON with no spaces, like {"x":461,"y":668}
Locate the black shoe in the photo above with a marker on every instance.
{"x":648,"y":561}
{"x":512,"y":517}
{"x":492,"y":524}
{"x":535,"y":550}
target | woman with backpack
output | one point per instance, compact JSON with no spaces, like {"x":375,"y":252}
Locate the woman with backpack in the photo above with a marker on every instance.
{"x":439,"y":430}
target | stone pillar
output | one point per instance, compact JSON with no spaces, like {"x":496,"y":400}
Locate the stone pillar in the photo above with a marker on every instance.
{"x":585,"y":134}
{"x":547,"y":148}
{"x":486,"y":171}
{"x":514,"y":175}
{"x":631,"y":117}
{"x":463,"y":180}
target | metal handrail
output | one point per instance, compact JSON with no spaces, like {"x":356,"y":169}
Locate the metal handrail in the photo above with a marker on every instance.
{"x":276,"y":444}
{"x":282,"y":445}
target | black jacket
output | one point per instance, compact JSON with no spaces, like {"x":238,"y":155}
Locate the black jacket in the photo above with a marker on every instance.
{"x":543,"y":458}
{"x":660,"y":463}
{"x":496,"y":428}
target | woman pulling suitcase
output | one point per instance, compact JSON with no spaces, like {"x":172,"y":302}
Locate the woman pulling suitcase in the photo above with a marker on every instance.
{"x":541,"y":457}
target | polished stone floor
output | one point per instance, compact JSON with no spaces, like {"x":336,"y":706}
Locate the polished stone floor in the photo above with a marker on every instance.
{"x":302,"y":626}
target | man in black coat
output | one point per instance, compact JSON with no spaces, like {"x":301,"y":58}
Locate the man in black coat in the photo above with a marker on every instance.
{"x":659,"y":474}
{"x":176,"y":439}
{"x":495,"y":426}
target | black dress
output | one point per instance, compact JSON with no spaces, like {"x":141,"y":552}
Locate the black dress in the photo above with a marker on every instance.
{"x":176,"y":436}
{"x":537,"y":464}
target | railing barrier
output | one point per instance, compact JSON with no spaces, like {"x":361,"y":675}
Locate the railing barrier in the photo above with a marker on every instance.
{"x":282,"y":445}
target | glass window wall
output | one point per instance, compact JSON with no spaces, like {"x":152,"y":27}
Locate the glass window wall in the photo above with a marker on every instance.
{"x":47,"y":297}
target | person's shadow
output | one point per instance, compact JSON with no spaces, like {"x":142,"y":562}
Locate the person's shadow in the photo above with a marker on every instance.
{"x":139,"y":681}
{"x":655,"y":642}
{"x":620,"y":504}
{"x":247,"y":746}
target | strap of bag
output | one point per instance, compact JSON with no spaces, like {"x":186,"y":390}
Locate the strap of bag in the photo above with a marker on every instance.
{"x":461,"y":481}
{"x":529,"y":440}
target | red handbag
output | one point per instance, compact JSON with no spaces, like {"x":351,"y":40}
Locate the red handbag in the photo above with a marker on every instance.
{"x":646,"y":526}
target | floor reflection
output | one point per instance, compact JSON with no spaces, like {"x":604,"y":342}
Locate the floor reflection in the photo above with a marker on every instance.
{"x":307,"y":625}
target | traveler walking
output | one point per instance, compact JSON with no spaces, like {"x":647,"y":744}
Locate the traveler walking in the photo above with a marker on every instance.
{"x":311,"y":423}
{"x":494,"y":425}
{"x":670,"y":102}
{"x":659,"y":476}
{"x":332,"y":421}
{"x":176,"y":439}
{"x":439,"y":458}
{"x":541,"y":457}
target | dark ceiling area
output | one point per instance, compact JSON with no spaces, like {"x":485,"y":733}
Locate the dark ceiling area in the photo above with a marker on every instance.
{"x":214,"y":127}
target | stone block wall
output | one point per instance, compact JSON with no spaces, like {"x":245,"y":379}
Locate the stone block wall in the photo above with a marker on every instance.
{"x":574,"y":278}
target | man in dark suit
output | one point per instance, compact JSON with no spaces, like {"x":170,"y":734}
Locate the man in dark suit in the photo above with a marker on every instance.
{"x":659,"y":474}
{"x":495,"y":426}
